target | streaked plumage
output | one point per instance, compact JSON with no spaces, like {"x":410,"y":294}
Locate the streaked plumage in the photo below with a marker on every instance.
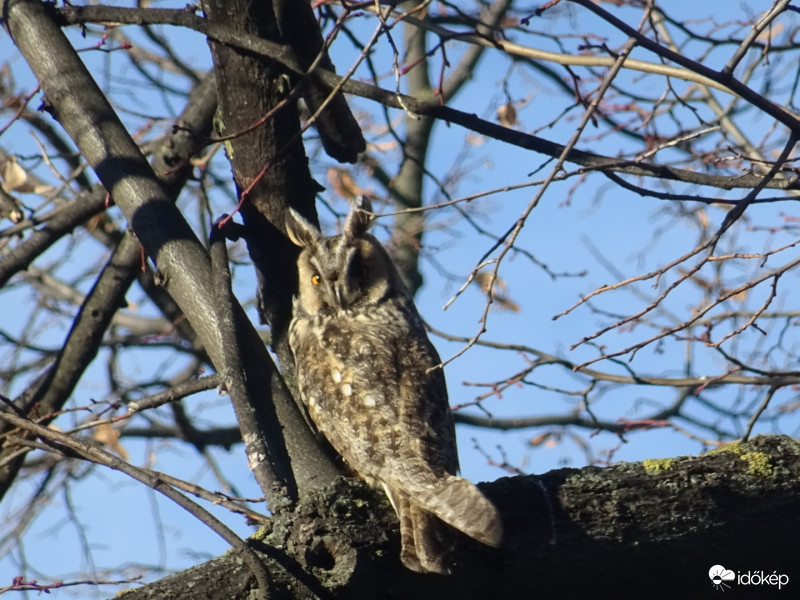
{"x":363,"y":361}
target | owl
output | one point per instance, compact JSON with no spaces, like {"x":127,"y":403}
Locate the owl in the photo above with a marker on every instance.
{"x":373,"y":386}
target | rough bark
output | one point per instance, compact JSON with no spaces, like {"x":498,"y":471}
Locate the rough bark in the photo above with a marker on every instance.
{"x":338,"y":130}
{"x":652,"y":528}
{"x":258,"y":116}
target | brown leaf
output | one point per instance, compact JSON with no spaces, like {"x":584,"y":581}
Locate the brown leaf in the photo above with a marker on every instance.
{"x":343,"y":184}
{"x":702,"y":218}
{"x":498,"y":290}
{"x":770,"y":33}
{"x":540,"y":439}
{"x":507,"y":115}
{"x":108,"y":436}
{"x":14,"y":176}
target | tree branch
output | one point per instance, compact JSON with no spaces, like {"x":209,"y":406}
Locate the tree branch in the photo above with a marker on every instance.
{"x":282,"y":54}
{"x":563,"y":529}
{"x":91,"y":453}
{"x":270,"y":463}
{"x":184,"y":265}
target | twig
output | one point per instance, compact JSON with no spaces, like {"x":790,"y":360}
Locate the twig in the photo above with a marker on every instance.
{"x":511,"y":235}
{"x":752,"y":422}
{"x":757,"y":313}
{"x":755,"y":31}
{"x":284,"y":55}
{"x":56,"y":439}
{"x":709,"y":244}
{"x":753,"y":97}
{"x":780,"y":378}
{"x":669,"y":331}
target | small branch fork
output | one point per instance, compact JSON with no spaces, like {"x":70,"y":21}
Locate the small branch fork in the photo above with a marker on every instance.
{"x":708,"y":246}
{"x":508,"y":239}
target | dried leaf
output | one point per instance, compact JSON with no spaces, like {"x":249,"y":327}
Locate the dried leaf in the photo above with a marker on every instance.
{"x":14,"y":176}
{"x":10,"y":207}
{"x":770,"y":33}
{"x":702,"y":217}
{"x":540,"y":439}
{"x":108,"y":436}
{"x":383,"y":146}
{"x":343,"y":184}
{"x":741,"y":296}
{"x":498,"y":290}
{"x":700,"y":282}
{"x":507,"y":115}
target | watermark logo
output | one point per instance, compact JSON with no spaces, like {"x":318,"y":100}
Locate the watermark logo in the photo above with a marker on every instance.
{"x":720,"y":576}
{"x":722,"y":579}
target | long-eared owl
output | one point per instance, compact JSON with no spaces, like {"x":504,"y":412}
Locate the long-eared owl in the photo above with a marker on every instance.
{"x":369,"y":379}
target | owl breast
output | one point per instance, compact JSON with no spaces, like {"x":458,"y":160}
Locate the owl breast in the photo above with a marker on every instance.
{"x":364,"y":379}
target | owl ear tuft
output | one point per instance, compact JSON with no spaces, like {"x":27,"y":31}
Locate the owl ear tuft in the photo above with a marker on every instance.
{"x":302,"y":232}
{"x":359,"y":219}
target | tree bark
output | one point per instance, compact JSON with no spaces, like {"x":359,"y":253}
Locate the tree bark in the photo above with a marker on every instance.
{"x":653,"y":528}
{"x":258,"y":117}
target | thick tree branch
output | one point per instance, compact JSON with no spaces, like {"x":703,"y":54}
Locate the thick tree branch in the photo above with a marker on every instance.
{"x":84,"y":112}
{"x":270,"y":464}
{"x":52,"y":389}
{"x":338,"y":130}
{"x":619,"y":528}
{"x":271,"y":173}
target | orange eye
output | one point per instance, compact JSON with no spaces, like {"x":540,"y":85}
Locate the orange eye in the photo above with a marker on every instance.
{"x":315,"y":279}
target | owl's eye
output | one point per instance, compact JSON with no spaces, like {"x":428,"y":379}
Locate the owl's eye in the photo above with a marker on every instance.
{"x":316,"y":280}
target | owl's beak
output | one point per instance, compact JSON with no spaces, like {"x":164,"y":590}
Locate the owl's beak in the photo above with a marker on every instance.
{"x":338,"y":292}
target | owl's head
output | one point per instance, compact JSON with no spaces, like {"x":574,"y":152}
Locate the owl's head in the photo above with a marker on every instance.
{"x":344,"y":271}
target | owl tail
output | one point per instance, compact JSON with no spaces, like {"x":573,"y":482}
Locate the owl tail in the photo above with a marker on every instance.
{"x":426,"y":541}
{"x":460,"y":504}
